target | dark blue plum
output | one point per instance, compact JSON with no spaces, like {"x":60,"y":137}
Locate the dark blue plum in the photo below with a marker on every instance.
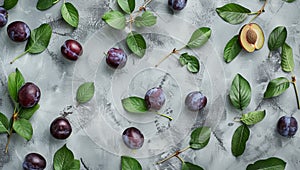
{"x":29,"y":95}
{"x":195,"y":101}
{"x":155,"y":98}
{"x":287,"y":126}
{"x":18,"y":31}
{"x":3,"y":17}
{"x":71,"y":49}
{"x":34,"y":161}
{"x":177,"y":5}
{"x":116,"y":58}
{"x":133,"y":138}
{"x":60,"y":128}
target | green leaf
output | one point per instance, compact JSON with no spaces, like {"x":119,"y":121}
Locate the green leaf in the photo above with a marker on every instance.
{"x":129,"y":163}
{"x":277,"y":38}
{"x":192,"y":62}
{"x":146,"y":20}
{"x":3,"y":123}
{"x":85,"y":92}
{"x":15,"y":82}
{"x":127,"y":5}
{"x":75,"y":165}
{"x":190,"y":166}
{"x":64,"y":159}
{"x":134,"y":105}
{"x":44,"y":4}
{"x":115,"y":19}
{"x":199,"y":37}
{"x":240,"y":92}
{"x":233,"y":13}
{"x":27,"y":113}
{"x":199,"y":138}
{"x":9,"y":4}
{"x":252,"y":118}
{"x":232,"y":49}
{"x":136,"y":43}
{"x":272,"y":163}
{"x":239,"y":140}
{"x":287,"y":59}
{"x":276,"y":87}
{"x":70,"y":14}
{"x":23,"y":128}
{"x":289,"y":1}
{"x":39,"y":39}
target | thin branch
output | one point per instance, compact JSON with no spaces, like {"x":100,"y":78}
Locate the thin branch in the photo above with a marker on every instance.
{"x":175,"y":154}
{"x":262,"y":9}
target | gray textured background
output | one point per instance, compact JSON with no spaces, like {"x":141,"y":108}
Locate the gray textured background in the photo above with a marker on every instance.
{"x":97,"y":124}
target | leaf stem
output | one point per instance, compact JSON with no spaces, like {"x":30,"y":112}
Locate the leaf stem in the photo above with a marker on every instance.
{"x":163,"y":115}
{"x":175,"y":154}
{"x":260,"y":11}
{"x":54,"y":2}
{"x":174,"y":51}
{"x":19,"y":56}
{"x":296,"y":90}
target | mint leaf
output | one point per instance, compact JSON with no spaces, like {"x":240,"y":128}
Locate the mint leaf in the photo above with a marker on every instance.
{"x":190,"y":166}
{"x":127,"y":5}
{"x":134,"y":105}
{"x":70,"y":14}
{"x":239,"y":140}
{"x":129,"y":163}
{"x":147,"y":19}
{"x":252,"y":118}
{"x":276,"y":87}
{"x":287,"y":59}
{"x":277,"y":38}
{"x":200,"y":138}
{"x":39,"y":39}
{"x":272,"y":163}
{"x":64,"y":159}
{"x":3,"y":123}
{"x":240,"y":92}
{"x":27,"y":113}
{"x":232,"y":49}
{"x":23,"y":128}
{"x":44,"y":4}
{"x":136,"y":43}
{"x":233,"y":13}
{"x":192,"y":62}
{"x":15,"y":82}
{"x":9,"y":4}
{"x":85,"y":92}
{"x":115,"y":19}
{"x":199,"y":37}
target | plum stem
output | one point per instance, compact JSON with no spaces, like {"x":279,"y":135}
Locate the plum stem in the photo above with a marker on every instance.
{"x":296,"y":90}
{"x":260,"y":11}
{"x":174,"y":51}
{"x":14,"y":117}
{"x":181,"y":160}
{"x":19,"y":56}
{"x":163,"y":115}
{"x":175,"y":154}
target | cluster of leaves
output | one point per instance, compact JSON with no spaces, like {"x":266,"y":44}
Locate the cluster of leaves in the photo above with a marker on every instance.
{"x":68,"y":10}
{"x":199,"y":139}
{"x":64,"y":159}
{"x":19,"y":121}
{"x":277,"y":40}
{"x":240,"y":97}
{"x":199,"y":37}
{"x":141,"y":18}
{"x":38,"y":41}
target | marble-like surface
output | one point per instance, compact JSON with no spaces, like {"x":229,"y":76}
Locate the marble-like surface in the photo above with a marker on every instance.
{"x":97,"y":126}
